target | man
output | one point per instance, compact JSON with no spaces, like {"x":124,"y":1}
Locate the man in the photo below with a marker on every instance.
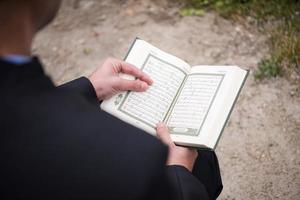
{"x":56,"y":144}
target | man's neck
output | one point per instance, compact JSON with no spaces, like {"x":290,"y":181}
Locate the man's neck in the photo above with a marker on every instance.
{"x":16,"y":34}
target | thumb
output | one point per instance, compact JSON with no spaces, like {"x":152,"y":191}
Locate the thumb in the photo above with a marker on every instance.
{"x":163,"y":134}
{"x":135,"y":85}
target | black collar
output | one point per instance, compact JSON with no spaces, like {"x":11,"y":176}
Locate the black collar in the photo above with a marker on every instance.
{"x":32,"y":68}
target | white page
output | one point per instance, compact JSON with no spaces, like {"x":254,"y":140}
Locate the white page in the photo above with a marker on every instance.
{"x":216,"y":108}
{"x":152,"y":106}
{"x":145,"y":109}
{"x":192,"y":106}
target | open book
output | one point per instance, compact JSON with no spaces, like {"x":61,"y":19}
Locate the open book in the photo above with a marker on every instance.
{"x":195,"y":102}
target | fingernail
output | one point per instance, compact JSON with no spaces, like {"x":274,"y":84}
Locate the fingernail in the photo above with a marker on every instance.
{"x":144,"y":86}
{"x":151,"y":81}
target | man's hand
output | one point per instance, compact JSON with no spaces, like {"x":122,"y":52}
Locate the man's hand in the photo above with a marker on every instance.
{"x":177,"y":155}
{"x":106,"y":80}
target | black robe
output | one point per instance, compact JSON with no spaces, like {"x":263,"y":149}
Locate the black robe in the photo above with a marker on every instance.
{"x":55,"y":143}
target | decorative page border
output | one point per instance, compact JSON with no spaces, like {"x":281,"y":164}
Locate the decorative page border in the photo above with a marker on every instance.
{"x":128,"y":93}
{"x":194,"y":132}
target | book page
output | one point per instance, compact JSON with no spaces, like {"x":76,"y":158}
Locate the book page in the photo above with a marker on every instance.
{"x":193,"y":103}
{"x":207,"y":96}
{"x":151,"y":107}
{"x":143,"y":110}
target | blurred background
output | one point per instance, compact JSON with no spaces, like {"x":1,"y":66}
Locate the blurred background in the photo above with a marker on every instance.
{"x":259,"y":152}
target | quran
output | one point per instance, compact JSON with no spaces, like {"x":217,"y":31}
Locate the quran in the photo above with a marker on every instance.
{"x":193,"y":101}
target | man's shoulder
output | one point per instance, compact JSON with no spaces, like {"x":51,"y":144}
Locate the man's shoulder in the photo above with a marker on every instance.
{"x":73,"y":145}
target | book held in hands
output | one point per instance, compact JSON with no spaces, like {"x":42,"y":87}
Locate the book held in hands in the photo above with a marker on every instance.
{"x":193,"y":101}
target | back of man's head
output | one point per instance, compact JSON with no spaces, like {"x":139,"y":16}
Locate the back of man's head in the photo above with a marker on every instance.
{"x":40,"y":12}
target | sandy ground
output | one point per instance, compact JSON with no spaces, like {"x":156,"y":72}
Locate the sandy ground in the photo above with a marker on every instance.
{"x":259,"y":152}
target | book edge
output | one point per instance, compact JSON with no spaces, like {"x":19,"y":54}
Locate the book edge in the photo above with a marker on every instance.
{"x":131,"y":46}
{"x":198,"y":147}
{"x":231,"y":109}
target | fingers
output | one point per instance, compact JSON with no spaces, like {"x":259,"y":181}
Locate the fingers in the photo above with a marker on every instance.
{"x":135,"y":85}
{"x":130,"y":69}
{"x":163,"y":134}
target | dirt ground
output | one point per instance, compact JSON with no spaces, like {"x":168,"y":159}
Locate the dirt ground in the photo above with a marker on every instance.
{"x":259,"y":152}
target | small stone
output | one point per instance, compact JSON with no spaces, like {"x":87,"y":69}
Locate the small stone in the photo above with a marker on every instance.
{"x":284,"y":129}
{"x":102,"y":17}
{"x":95,"y":34}
{"x":86,"y":5}
{"x":55,"y":23}
{"x":129,"y":12}
{"x":54,"y":49}
{"x":292,"y":93}
{"x":237,"y":29}
{"x":81,"y":41}
{"x":271,"y":144}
